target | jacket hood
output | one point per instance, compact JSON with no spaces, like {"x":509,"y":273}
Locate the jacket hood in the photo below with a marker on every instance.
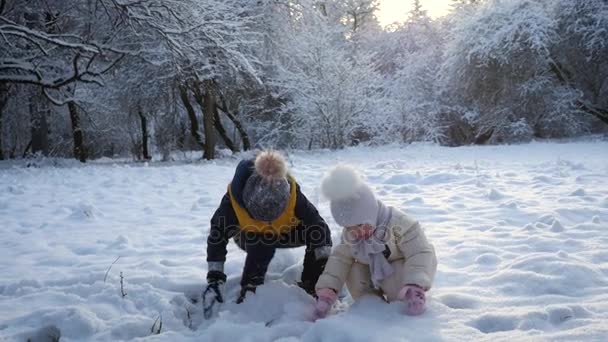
{"x":243,"y":171}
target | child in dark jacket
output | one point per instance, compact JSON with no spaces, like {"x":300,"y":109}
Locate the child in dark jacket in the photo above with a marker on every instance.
{"x":264,"y":209}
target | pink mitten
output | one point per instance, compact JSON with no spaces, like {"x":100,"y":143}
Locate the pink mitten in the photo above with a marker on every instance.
{"x":414,"y":298}
{"x":325,"y":299}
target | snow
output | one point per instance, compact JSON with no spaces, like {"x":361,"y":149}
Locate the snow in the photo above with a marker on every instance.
{"x":519,"y":230}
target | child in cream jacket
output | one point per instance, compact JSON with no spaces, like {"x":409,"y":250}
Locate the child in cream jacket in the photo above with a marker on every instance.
{"x":382,"y":251}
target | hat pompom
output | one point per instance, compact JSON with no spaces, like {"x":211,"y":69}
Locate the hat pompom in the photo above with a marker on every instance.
{"x":271,"y":166}
{"x":341,"y":183}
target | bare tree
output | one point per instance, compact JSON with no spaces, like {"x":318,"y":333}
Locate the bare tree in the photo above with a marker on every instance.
{"x":53,"y":47}
{"x":144,"y":134}
{"x":4,"y":89}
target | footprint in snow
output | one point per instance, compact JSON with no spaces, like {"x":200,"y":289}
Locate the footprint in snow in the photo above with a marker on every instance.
{"x":494,"y":195}
{"x":557,"y":227}
{"x":578,"y":192}
{"x":491,"y":323}
{"x":458,"y":301}
{"x":488,"y":259}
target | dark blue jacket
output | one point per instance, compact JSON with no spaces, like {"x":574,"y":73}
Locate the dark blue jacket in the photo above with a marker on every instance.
{"x":225,"y":225}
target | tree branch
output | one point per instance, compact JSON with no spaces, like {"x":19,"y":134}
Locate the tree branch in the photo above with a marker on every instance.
{"x":583,"y":105}
{"x":237,"y":123}
{"x":35,"y":77}
{"x":55,"y":101}
{"x":26,"y":33}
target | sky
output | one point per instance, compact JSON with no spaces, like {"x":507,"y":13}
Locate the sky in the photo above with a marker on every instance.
{"x":396,"y":10}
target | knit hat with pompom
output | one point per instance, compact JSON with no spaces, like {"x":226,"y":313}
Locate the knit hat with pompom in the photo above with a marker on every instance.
{"x":267,"y":190}
{"x":352,"y":201}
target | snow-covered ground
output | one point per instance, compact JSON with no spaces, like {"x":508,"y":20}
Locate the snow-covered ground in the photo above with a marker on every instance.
{"x":521,"y":234}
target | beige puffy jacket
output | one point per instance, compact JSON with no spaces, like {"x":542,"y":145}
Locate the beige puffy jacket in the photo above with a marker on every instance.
{"x":412,"y":257}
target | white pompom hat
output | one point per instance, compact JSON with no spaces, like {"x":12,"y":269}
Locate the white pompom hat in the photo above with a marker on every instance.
{"x":352,"y":202}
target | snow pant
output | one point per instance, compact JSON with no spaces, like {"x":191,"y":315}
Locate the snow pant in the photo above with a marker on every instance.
{"x":359,"y":281}
{"x":260,"y":249}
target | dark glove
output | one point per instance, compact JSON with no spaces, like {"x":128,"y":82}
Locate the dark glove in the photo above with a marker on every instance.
{"x":244,"y":289}
{"x":215,"y":280}
{"x":311,"y":272}
{"x":213,"y":291}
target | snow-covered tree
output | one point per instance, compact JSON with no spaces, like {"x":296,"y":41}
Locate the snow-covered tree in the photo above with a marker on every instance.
{"x":498,"y":63}
{"x":578,"y":57}
{"x":409,"y":60}
{"x":56,"y":46}
{"x":331,"y":86}
{"x":107,"y":77}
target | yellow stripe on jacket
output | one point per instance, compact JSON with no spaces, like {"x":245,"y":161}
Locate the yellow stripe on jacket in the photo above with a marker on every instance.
{"x":285,"y":222}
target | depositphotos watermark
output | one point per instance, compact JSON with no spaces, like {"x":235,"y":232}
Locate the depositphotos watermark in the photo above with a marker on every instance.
{"x":285,"y":236}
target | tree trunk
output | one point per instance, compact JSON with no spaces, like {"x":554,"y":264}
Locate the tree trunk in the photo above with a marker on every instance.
{"x":39,"y":112}
{"x":4,"y":88}
{"x":217,"y":122}
{"x":80,"y":152}
{"x":210,"y":108}
{"x":237,"y":124}
{"x":564,"y":77}
{"x":27,"y":148}
{"x":599,"y":113}
{"x":144,"y":134}
{"x":1,"y":151}
{"x":207,"y":103}
{"x":183,"y":92}
{"x":483,"y":137}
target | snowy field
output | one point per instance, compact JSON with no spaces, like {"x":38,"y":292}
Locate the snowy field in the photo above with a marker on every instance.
{"x":521,"y":234}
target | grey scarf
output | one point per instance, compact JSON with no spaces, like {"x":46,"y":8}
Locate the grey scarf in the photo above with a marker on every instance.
{"x":371,"y":250}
